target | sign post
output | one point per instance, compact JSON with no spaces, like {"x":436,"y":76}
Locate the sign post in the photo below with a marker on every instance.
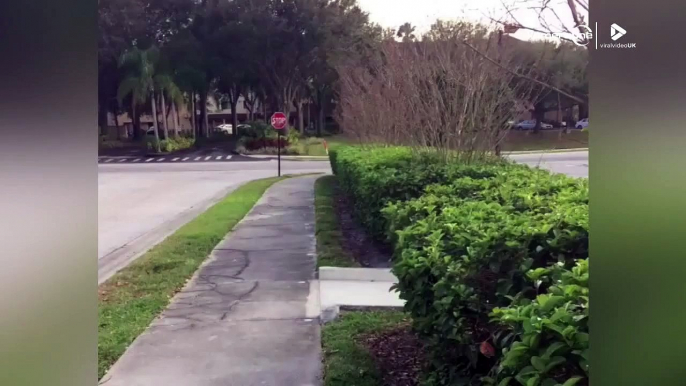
{"x":279,"y":122}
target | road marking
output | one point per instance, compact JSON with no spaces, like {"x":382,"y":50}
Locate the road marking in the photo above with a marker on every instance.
{"x":149,"y":159}
{"x":136,"y":160}
{"x":175,"y":159}
{"x":208,"y":157}
{"x":197,"y":158}
{"x":109,"y":160}
{"x":218,"y":158}
{"x":122,"y":160}
{"x":185,"y":159}
{"x":161,"y":159}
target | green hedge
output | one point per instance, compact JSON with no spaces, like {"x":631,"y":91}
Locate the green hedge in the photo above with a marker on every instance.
{"x":468,"y":240}
{"x":171,"y":144}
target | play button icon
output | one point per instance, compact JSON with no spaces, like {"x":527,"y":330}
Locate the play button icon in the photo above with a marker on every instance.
{"x":616,"y":31}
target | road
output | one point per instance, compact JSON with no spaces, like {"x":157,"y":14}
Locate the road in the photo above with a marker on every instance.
{"x":574,"y":164}
{"x":141,"y":203}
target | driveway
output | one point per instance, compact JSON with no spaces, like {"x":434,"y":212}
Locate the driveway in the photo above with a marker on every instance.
{"x":139,"y":205}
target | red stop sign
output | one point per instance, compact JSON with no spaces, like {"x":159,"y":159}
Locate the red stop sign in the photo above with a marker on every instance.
{"x":279,"y":121}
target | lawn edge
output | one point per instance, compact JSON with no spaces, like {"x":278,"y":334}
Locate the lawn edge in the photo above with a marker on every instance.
{"x":324,"y":208}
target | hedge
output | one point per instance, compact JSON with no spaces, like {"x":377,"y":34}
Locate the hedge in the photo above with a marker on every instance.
{"x":482,"y":251}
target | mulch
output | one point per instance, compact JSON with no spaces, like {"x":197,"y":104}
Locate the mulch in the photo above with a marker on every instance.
{"x":365,"y":250}
{"x":399,"y":355}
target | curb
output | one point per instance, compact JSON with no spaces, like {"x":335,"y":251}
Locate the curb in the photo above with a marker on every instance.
{"x":357,"y":274}
{"x":288,"y":157}
{"x":546,"y":151}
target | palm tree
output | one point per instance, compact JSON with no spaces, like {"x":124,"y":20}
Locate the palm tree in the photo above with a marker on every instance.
{"x":165,"y":84}
{"x":406,"y":32}
{"x":140,"y":80}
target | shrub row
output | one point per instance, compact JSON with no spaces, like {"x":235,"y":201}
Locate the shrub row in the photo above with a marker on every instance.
{"x":491,"y":259}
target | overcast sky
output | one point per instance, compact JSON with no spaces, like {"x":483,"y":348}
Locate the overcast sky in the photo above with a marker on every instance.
{"x":422,"y":13}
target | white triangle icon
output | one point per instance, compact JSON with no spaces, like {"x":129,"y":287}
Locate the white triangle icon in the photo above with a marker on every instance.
{"x":616,"y":31}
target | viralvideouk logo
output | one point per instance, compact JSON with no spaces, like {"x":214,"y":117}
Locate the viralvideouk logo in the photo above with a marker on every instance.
{"x":581,"y":35}
{"x":616,"y":31}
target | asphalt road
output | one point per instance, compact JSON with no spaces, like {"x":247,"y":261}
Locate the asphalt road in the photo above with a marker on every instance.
{"x":141,"y":203}
{"x":574,"y":164}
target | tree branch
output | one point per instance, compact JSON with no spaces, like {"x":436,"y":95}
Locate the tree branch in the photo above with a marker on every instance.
{"x":522,"y":75}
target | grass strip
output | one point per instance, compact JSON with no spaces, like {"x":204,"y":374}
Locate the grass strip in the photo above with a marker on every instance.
{"x":133,"y":297}
{"x":330,"y":250}
{"x":347,"y":362}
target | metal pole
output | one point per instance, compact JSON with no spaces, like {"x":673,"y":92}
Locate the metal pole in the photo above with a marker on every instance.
{"x":278,"y":149}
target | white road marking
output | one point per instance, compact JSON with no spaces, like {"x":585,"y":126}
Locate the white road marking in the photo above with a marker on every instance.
{"x":218,"y":158}
{"x":160,"y":159}
{"x":196,"y":158}
{"x":122,"y":160}
{"x":109,"y":160}
{"x":136,"y":160}
{"x":228,"y":157}
{"x":208,"y":157}
{"x":185,"y":159}
{"x":175,"y":159}
{"x":149,"y":159}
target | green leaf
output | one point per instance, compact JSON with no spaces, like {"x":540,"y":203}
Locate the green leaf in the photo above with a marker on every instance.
{"x":538,"y":363}
{"x":572,"y":381}
{"x":554,"y":349}
{"x":534,"y":381}
{"x":505,"y":382}
{"x":555,"y":361}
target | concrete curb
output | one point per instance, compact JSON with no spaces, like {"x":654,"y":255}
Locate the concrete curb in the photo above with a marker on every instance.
{"x":545,"y":151}
{"x":288,"y":157}
{"x":357,"y":274}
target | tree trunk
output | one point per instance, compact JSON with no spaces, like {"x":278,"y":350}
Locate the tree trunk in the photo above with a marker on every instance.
{"x":135,"y":121}
{"x":322,"y":113}
{"x":175,"y":118}
{"x":164,"y":115}
{"x":204,"y":126}
{"x":301,"y":120}
{"x":193,"y":122}
{"x":154,"y":122}
{"x":309,"y":118}
{"x":539,"y":113}
{"x":234,"y":117}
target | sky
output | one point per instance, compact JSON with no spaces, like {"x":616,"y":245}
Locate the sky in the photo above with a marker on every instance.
{"x":422,"y":13}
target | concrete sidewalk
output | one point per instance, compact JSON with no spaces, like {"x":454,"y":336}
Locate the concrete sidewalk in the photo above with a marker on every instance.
{"x":249,"y":316}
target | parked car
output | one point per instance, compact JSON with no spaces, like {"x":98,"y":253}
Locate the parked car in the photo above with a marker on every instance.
{"x":530,"y":124}
{"x":225,"y":128}
{"x":582,"y":124}
{"x":150,"y":133}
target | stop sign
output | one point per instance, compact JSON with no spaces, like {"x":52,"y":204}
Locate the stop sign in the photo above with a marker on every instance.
{"x":279,"y":121}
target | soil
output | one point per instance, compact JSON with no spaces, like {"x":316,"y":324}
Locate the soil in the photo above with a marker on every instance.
{"x":399,"y":355}
{"x":365,"y":250}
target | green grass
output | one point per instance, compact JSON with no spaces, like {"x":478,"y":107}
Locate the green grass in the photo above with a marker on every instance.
{"x":132,"y":298}
{"x":330,"y":250}
{"x":347,"y":362}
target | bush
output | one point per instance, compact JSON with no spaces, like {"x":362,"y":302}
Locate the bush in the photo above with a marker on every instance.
{"x":261,"y":143}
{"x":171,"y":144}
{"x":475,"y":245}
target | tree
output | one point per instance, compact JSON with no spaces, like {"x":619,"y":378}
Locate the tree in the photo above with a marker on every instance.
{"x":139,"y":65}
{"x":406,"y":32}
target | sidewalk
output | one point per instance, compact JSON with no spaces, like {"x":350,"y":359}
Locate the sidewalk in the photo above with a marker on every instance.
{"x":249,"y":316}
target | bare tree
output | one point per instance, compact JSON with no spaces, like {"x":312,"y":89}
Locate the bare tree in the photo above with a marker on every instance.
{"x":436,"y":93}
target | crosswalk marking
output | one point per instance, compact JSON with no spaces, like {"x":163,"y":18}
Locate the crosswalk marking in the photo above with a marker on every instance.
{"x":175,"y":159}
